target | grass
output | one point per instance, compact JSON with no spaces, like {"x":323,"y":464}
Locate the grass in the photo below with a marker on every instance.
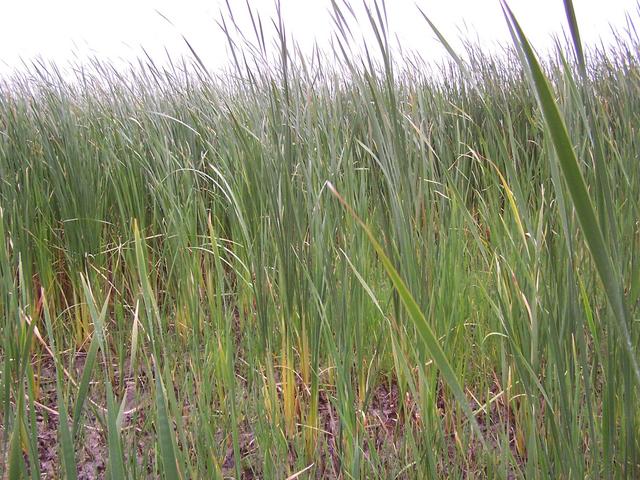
{"x":329,"y":267}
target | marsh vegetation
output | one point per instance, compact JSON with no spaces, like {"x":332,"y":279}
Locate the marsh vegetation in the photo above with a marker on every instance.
{"x":337,"y":266}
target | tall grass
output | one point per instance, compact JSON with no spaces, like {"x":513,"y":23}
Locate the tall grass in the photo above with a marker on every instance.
{"x":184,"y":293}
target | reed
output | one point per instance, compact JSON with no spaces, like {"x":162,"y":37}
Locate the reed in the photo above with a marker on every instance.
{"x":341,"y":266}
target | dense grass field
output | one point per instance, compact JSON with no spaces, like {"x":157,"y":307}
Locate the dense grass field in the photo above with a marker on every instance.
{"x":328,"y":267}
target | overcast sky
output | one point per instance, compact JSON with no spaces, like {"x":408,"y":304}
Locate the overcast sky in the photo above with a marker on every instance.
{"x":72,"y":30}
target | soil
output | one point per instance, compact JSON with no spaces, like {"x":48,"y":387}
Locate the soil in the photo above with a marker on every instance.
{"x":384,"y":422}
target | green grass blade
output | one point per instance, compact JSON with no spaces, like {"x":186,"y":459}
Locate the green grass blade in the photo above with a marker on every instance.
{"x":92,"y":354}
{"x":114,"y":443}
{"x":424,"y":329}
{"x":575,"y":35}
{"x":83,"y":386}
{"x":165,"y":437}
{"x":442,"y":39}
{"x":579,"y":194}
{"x":66,"y":437}
{"x":15,"y":462}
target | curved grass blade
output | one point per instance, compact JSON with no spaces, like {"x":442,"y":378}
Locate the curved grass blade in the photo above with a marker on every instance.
{"x":577,"y":187}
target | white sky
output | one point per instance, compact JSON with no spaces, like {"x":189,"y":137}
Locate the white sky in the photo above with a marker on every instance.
{"x":70,"y":30}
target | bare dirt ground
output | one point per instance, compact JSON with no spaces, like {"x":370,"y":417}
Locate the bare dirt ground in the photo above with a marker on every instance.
{"x":385,"y":421}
